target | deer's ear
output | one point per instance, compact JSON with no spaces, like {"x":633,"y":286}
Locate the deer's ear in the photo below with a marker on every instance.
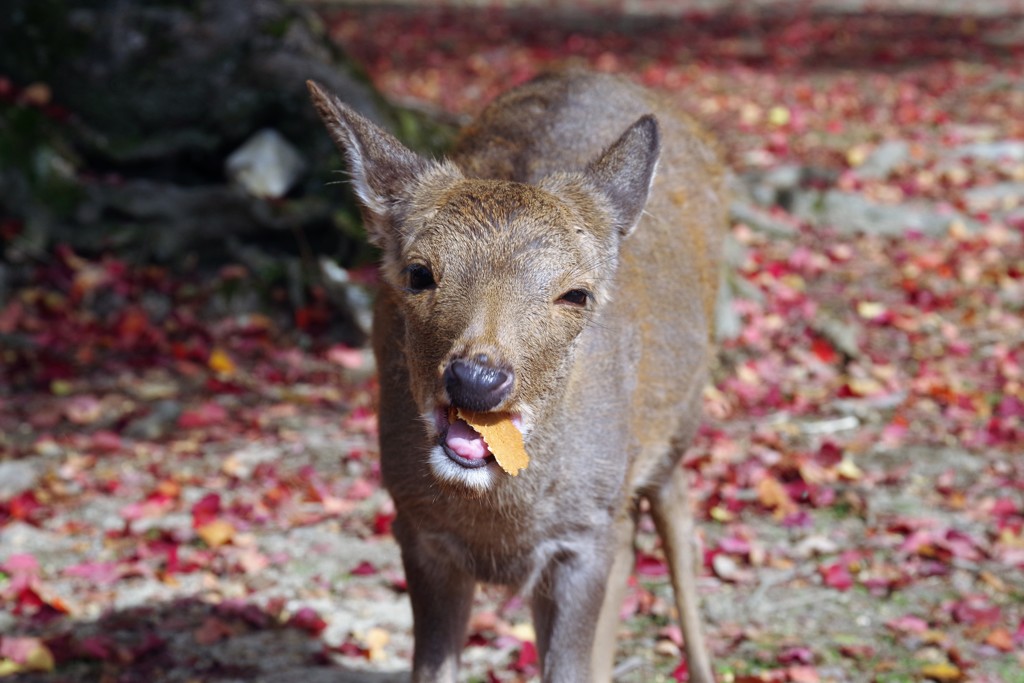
{"x":624,"y":172}
{"x":385,"y":172}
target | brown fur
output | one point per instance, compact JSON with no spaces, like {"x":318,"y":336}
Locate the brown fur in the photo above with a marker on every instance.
{"x":542,"y":195}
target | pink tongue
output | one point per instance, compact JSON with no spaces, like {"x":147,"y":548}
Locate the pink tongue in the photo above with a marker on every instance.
{"x":466,"y":441}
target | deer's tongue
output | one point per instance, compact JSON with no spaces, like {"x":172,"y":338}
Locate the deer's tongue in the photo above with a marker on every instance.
{"x":466,"y":441}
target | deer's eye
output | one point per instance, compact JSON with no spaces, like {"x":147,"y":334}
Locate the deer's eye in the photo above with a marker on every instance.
{"x":575,"y":297}
{"x":420,"y":278}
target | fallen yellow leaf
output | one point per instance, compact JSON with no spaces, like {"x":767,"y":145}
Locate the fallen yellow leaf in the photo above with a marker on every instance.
{"x":216,"y":533}
{"x":773,"y":496}
{"x":221,"y":363}
{"x":856,"y":155}
{"x":778,"y":116}
{"x":375,"y":641}
{"x":35,"y":656}
{"x":847,"y":469}
{"x":40,"y":659}
{"x":524,"y":632}
{"x":941,"y":672}
{"x":870,"y":309}
{"x":721,"y":514}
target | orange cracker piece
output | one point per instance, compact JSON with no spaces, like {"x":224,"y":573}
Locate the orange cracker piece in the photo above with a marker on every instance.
{"x":502,"y":437}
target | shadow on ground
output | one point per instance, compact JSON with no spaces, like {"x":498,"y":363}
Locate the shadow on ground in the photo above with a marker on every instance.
{"x":190,"y":640}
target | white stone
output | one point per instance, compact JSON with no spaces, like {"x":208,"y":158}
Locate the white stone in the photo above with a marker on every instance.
{"x":267,"y":165}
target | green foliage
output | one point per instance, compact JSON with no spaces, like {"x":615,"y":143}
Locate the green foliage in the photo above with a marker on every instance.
{"x":38,"y":166}
{"x":426,"y":135}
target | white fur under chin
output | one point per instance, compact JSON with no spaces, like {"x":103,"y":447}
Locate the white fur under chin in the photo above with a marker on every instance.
{"x":475,"y":480}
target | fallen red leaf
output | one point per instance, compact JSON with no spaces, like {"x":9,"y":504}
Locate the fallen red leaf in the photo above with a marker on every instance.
{"x":206,"y":510}
{"x":364,"y":568}
{"x":795,"y":655}
{"x":908,"y":624}
{"x":976,"y":610}
{"x":100,"y":573}
{"x":206,"y":415}
{"x":650,"y":565}
{"x":307,"y":619}
{"x":526,"y":660}
{"x":106,"y":442}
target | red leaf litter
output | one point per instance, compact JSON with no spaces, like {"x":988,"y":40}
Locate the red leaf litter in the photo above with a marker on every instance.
{"x":185,"y":491}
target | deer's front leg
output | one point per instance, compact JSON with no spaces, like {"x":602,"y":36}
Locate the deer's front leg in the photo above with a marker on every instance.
{"x":441,"y":594}
{"x":566,"y":609}
{"x":670,"y":508}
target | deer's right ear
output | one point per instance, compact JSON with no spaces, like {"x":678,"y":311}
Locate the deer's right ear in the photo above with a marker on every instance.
{"x":384,"y":171}
{"x":625,"y":171}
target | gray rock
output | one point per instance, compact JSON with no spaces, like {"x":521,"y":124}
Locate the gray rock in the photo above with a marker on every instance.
{"x":167,"y":211}
{"x":775,"y":186}
{"x":728,"y":324}
{"x":1015,"y":217}
{"x":843,"y":335}
{"x":784,"y":177}
{"x":998,"y":198}
{"x":158,"y":423}
{"x":158,"y":306}
{"x":17,"y":476}
{"x":852,"y":213}
{"x":1009,"y":34}
{"x":161,"y":92}
{"x":19,"y":537}
{"x":243,"y":462}
{"x":175,"y":524}
{"x":151,"y":81}
{"x":1000,"y":150}
{"x":762,"y":220}
{"x":884,"y":159}
{"x":355,"y":299}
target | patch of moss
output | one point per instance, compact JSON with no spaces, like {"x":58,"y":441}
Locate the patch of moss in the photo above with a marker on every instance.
{"x":278,"y":27}
{"x":423,"y":134}
{"x":33,"y":148}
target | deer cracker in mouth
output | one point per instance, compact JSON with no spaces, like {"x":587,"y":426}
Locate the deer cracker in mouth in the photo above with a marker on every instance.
{"x":542,"y":336}
{"x":486,"y":434}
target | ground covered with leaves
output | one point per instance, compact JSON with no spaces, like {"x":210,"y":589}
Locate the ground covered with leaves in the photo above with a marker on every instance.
{"x":189,"y":488}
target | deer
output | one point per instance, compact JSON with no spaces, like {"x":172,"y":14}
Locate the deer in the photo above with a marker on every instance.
{"x":554,"y":274}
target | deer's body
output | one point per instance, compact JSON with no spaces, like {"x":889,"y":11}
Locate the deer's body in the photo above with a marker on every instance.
{"x":540,"y":273}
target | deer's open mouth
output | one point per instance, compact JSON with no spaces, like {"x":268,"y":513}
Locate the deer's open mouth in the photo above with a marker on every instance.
{"x":460,"y":442}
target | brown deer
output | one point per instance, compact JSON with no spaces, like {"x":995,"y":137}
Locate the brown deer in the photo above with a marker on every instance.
{"x":544,"y":275}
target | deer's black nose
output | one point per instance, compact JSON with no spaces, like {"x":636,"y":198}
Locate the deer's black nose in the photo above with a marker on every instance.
{"x":477,"y":383}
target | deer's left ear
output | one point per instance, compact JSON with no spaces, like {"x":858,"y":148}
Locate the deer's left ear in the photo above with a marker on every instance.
{"x":381,"y":166}
{"x":624,"y":172}
{"x":385,"y":172}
